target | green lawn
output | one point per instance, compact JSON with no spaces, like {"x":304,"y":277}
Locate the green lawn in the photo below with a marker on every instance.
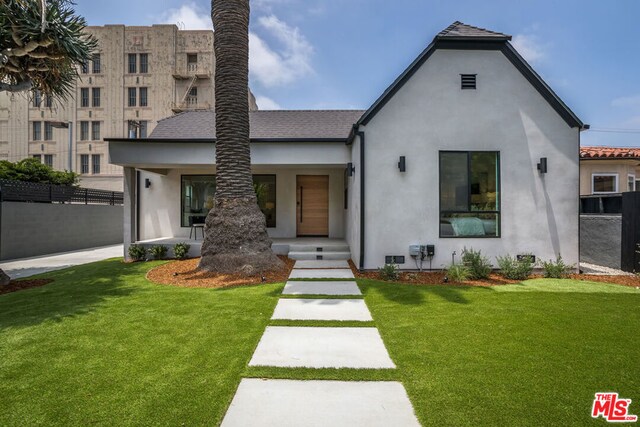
{"x":103,"y":346}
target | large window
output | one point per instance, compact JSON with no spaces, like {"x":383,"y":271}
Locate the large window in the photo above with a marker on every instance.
{"x":132,"y":96}
{"x":96,"y":64}
{"x":198,"y":192}
{"x":84,"y":163}
{"x":604,"y":183}
{"x":132,"y":63}
{"x":84,"y":97}
{"x":95,"y":131}
{"x":143,"y":97}
{"x":469,"y":194}
{"x":48,"y":131}
{"x":84,"y":130}
{"x":95,"y":93}
{"x":95,"y":163}
{"x":37,"y":131}
{"x":144,"y":63}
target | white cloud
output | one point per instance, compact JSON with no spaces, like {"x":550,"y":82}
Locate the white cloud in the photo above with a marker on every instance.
{"x":266,"y":103}
{"x":279,"y":67}
{"x":626,"y":101}
{"x":188,"y":17}
{"x":529,"y":47}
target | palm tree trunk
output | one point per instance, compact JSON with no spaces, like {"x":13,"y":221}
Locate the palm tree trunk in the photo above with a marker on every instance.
{"x":236,"y":237}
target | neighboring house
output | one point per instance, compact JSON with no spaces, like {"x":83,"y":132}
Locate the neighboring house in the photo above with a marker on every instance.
{"x":609,"y":170}
{"x":447,"y":156}
{"x":138,"y":76}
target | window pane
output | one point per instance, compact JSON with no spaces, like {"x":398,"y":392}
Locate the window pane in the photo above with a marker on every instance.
{"x":84,"y":97}
{"x":604,"y":184}
{"x":48,"y":160}
{"x":48,"y":131}
{"x":143,"y":96}
{"x":469,"y":224}
{"x":95,"y":160}
{"x":84,"y":163}
{"x":96,"y":64}
{"x":37,"y":129}
{"x":144,"y":63}
{"x":265,"y":186}
{"x":132,"y":63}
{"x":484,"y":188}
{"x":132,"y":97}
{"x":454,"y":181}
{"x":631,"y":183}
{"x":84,"y":130}
{"x":95,"y":131}
{"x":197,"y":198}
{"x":36,"y":98}
{"x":96,"y":96}
{"x":143,"y":129}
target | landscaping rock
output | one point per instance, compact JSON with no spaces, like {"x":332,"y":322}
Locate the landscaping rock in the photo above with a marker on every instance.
{"x":4,"y":279}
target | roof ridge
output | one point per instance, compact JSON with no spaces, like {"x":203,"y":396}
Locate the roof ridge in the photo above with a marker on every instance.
{"x":466,"y":31}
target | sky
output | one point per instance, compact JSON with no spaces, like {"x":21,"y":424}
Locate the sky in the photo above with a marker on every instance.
{"x":342,"y":54}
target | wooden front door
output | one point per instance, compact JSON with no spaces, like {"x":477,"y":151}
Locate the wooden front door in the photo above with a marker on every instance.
{"x":312,"y":210}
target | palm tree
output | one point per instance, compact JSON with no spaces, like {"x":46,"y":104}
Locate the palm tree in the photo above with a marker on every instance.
{"x":236,"y":237}
{"x":41,"y":44}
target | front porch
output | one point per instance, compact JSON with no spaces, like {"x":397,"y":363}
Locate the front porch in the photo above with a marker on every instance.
{"x":302,"y":248}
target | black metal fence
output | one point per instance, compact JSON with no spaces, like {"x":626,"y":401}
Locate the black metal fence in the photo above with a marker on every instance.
{"x":601,"y":204}
{"x":19,"y":191}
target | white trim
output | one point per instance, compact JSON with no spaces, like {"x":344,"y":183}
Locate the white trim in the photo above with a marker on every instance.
{"x":593,"y":175}
{"x":632,"y":181}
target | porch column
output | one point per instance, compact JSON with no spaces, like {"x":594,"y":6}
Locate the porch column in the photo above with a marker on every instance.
{"x":130,"y":197}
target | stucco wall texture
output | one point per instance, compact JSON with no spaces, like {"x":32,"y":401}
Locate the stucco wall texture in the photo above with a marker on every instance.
{"x":31,"y":229}
{"x":600,"y":240}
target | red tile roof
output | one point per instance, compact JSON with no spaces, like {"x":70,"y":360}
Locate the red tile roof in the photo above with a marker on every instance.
{"x":609,"y":153}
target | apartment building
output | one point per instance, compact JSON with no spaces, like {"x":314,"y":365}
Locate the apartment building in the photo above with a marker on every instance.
{"x":138,"y":76}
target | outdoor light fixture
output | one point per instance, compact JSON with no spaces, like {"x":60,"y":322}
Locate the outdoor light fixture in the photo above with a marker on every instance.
{"x":147,"y":183}
{"x":542,"y":166}
{"x":402,"y":165}
{"x":350,"y":169}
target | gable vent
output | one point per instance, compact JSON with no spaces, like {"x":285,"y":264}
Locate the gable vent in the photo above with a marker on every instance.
{"x":467,"y":81}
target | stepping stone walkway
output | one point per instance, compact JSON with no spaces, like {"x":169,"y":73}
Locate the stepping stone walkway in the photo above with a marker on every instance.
{"x":278,"y":402}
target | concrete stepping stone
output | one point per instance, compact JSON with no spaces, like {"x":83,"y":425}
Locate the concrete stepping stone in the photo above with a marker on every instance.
{"x":291,"y":403}
{"x":322,"y":309}
{"x":321,"y":288}
{"x":320,"y":347}
{"x":321,"y":264}
{"x":338,"y":273}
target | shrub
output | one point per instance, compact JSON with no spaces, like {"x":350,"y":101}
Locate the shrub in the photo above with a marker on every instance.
{"x":514,"y":268}
{"x":457,"y":273}
{"x":158,"y":251}
{"x":556,"y":269}
{"x":31,"y":170}
{"x":389,"y":272}
{"x":137,"y":252}
{"x":181,"y":250}
{"x":479,"y":266}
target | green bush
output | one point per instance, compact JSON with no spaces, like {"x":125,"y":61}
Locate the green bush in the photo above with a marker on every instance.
{"x":514,"y":269}
{"x":457,"y":273}
{"x":479,"y":266}
{"x":137,"y":252}
{"x":389,"y":272}
{"x":31,"y":170}
{"x":158,"y":251}
{"x":556,"y":269}
{"x":181,"y":250}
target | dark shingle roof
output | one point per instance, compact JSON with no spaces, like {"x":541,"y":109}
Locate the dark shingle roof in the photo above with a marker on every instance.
{"x":460,"y":31}
{"x":264,"y":124}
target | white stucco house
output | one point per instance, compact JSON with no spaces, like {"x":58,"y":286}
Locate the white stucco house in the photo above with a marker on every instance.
{"x":468,"y":147}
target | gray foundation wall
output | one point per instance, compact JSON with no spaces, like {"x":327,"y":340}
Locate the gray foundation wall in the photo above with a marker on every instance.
{"x":32,"y":229}
{"x":600,"y":239}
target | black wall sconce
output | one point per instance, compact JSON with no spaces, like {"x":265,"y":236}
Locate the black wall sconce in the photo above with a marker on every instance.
{"x":402,"y":164}
{"x":147,"y":183}
{"x":350,"y":169}
{"x":542,"y":166}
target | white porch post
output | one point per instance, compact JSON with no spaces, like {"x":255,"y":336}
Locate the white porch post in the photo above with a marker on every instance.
{"x":130,"y":197}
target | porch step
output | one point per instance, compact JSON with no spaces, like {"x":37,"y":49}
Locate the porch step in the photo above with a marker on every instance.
{"x":319,"y":247}
{"x":314,"y":255}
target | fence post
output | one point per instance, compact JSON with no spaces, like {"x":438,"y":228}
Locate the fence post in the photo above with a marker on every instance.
{"x":86,"y":200}
{"x":113,"y":198}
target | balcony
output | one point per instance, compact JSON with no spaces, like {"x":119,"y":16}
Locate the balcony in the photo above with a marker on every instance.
{"x":190,"y":104}
{"x":190,"y":70}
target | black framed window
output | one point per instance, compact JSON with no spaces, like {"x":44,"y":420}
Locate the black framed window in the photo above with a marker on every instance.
{"x":37,"y":131}
{"x":469,"y":194}
{"x":95,"y":131}
{"x":95,"y":163}
{"x":143,"y":97}
{"x":84,"y":130}
{"x":132,"y":96}
{"x":48,"y":131}
{"x":84,"y":97}
{"x":144,"y":63}
{"x":132,"y":63}
{"x":198,"y":191}
{"x":97,"y":67}
{"x":95,"y":96}
{"x":84,"y":163}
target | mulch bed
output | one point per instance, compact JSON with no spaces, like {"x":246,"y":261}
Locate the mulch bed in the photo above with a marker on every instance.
{"x":18,"y":285}
{"x":186,"y":273}
{"x":437,"y":278}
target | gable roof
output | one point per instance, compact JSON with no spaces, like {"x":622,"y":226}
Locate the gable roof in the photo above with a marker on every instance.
{"x":264,"y":125}
{"x":632,"y":153}
{"x":466,"y":37}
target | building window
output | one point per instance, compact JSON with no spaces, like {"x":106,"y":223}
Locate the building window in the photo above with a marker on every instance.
{"x":604,"y":183}
{"x":48,"y":101}
{"x":469,"y":194}
{"x":197,"y":193}
{"x":143,"y":128}
{"x":37,"y":98}
{"x":96,"y":64}
{"x":84,"y":130}
{"x":95,"y":93}
{"x":132,"y":63}
{"x":37,"y":157}
{"x":631,"y":183}
{"x":95,"y":131}
{"x":192,"y":62}
{"x":132,"y":97}
{"x":84,"y":163}
{"x":48,"y":160}
{"x":143,"y":97}
{"x":192,"y":97}
{"x":144,"y":63}
{"x":84,"y":97}
{"x":48,"y":131}
{"x":84,"y":69}
{"x":37,"y":131}
{"x":95,"y":163}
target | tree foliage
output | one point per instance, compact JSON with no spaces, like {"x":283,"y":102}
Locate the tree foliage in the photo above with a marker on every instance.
{"x":41,"y":49}
{"x":31,"y":170}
